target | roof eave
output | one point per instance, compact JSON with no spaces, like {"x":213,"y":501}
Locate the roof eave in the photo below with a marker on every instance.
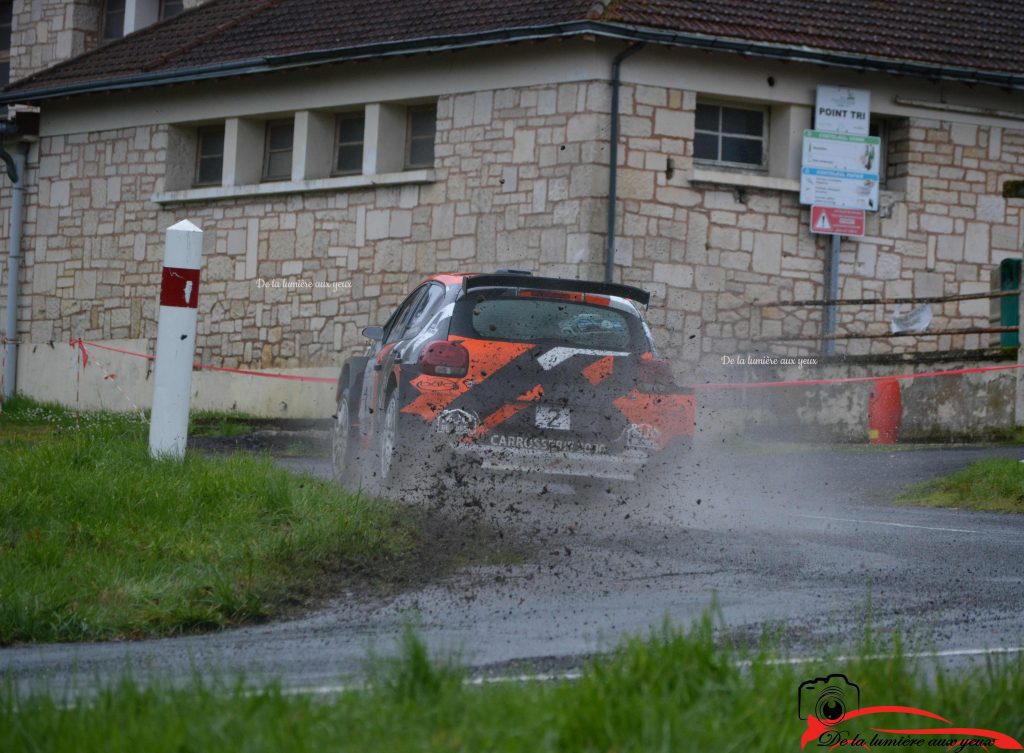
{"x":606,"y":30}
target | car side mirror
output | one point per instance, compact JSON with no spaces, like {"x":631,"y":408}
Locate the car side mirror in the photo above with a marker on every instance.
{"x":373,"y":333}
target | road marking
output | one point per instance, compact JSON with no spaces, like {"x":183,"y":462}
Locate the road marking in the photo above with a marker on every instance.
{"x":335,"y":689}
{"x":946,"y":654}
{"x":883,"y":523}
{"x":575,"y":674}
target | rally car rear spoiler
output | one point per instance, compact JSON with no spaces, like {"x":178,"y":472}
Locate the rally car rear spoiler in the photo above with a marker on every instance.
{"x":554,"y":283}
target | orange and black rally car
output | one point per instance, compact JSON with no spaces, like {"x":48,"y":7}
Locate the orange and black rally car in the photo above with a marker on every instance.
{"x":513,"y":373}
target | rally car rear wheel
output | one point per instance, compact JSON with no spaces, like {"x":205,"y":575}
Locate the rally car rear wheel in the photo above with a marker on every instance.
{"x":388,"y":452}
{"x":342,"y":445}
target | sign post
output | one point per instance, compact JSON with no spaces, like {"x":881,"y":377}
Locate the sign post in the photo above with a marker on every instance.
{"x":176,"y":340}
{"x":839,"y":172}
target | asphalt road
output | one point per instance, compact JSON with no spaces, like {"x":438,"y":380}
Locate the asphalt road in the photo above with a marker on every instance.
{"x":791,"y":537}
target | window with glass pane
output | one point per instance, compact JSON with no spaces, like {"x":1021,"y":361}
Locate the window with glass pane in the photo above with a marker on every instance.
{"x":171,"y":8}
{"x":209,"y":155}
{"x":421,"y":128}
{"x":113,"y":19}
{"x":728,"y":134}
{"x":277,"y":159}
{"x":349,"y":156}
{"x":6,"y":10}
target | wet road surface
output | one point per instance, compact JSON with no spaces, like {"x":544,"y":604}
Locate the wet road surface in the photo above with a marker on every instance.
{"x":793,"y":538}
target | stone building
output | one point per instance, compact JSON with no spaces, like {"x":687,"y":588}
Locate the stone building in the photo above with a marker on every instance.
{"x":337,"y":151}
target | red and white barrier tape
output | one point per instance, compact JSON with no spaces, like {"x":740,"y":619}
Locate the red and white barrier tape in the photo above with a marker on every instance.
{"x":81,"y":344}
{"x":844,"y":380}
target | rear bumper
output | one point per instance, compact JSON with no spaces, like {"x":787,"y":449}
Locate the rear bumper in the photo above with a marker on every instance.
{"x":623,"y":466}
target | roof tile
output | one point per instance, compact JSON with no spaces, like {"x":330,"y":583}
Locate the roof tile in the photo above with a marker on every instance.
{"x":983,"y":35}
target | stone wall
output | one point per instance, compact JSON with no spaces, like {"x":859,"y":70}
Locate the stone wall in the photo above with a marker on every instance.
{"x":521,"y":181}
{"x":516,"y":187}
{"x":956,"y":407}
{"x":713,"y":251}
{"x":44,"y":32}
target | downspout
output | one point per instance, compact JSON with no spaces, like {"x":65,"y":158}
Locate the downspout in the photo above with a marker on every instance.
{"x":613,"y":161}
{"x":14,"y":272}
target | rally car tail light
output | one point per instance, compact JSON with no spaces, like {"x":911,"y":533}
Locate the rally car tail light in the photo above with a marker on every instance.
{"x":444,"y":358}
{"x":561,"y":295}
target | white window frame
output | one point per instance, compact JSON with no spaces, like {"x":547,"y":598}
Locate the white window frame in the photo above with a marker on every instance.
{"x":765,"y":130}
{"x":336,"y":150}
{"x":314,"y":144}
{"x":200,"y":133}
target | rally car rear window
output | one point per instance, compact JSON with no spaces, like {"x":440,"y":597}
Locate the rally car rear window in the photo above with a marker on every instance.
{"x":538,"y":320}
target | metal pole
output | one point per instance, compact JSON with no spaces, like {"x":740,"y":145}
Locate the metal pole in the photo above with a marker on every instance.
{"x":13,"y":273}
{"x":832,"y":271}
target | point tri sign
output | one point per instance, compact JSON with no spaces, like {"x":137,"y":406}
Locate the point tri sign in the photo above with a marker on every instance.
{"x":838,"y":109}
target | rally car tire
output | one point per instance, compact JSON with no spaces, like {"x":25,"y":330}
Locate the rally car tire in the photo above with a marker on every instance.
{"x":390,"y":448}
{"x":343,"y":441}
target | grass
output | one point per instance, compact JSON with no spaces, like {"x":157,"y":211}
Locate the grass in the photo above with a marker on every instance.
{"x":673,"y":690}
{"x":25,"y":414}
{"x":996,"y":484}
{"x":217,"y":424}
{"x":99,"y":541}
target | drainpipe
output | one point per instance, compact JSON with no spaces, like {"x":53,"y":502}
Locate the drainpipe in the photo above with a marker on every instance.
{"x":613,"y":161}
{"x":13,"y":272}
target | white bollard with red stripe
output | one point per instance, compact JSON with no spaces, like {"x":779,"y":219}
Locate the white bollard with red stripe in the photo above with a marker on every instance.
{"x":176,"y":340}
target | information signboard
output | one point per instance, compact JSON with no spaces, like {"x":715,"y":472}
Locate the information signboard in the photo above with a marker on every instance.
{"x":840,"y":170}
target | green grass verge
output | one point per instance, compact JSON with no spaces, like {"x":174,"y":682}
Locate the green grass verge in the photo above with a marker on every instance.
{"x":675,"y":690}
{"x":99,"y":541}
{"x":217,"y":424}
{"x":996,"y":484}
{"x":22,"y":413}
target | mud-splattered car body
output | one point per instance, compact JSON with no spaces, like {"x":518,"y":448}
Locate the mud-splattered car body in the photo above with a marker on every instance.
{"x":512,"y":373}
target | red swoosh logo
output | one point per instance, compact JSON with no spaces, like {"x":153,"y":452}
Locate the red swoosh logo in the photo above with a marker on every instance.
{"x":816,"y":728}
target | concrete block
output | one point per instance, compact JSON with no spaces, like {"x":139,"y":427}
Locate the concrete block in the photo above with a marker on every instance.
{"x":676,"y":275}
{"x":524,"y":143}
{"x":767,"y":253}
{"x":950,"y":247}
{"x":976,"y":244}
{"x":889,"y":267}
{"x":929,"y":284}
{"x":673,"y":123}
{"x":724,"y":238}
{"x":377,"y":224}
